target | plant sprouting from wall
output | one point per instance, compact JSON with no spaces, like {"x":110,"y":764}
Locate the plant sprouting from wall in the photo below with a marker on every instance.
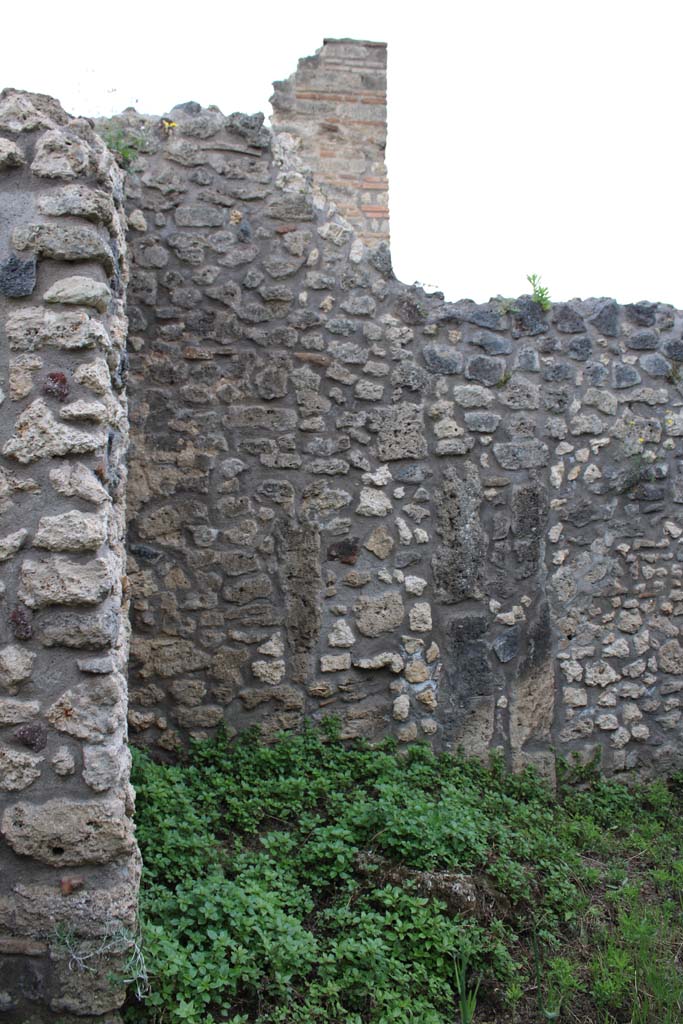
{"x":539,"y":293}
{"x":125,"y":147}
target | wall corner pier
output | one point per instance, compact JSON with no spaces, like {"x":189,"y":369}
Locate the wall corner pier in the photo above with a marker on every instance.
{"x":68,"y":858}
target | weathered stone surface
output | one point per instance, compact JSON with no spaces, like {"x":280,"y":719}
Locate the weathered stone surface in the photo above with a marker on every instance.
{"x":299,"y":573}
{"x":25,"y":111}
{"x":485,"y":369}
{"x":271,"y":672}
{"x":532,"y":698}
{"x":79,"y":291}
{"x":83,"y":632}
{"x":59,"y":154}
{"x":380,"y":542}
{"x":15,"y":712}
{"x":15,"y":667}
{"x":457,"y":564}
{"x":670,"y":658}
{"x":521,"y":454}
{"x":18,"y":771}
{"x":64,"y":832}
{"x":105,"y":765}
{"x":471,"y":396}
{"x":64,"y":242}
{"x":38,"y":908}
{"x":90,"y":711}
{"x":12,"y":543}
{"x":420,"y":617}
{"x":335,"y":662}
{"x":71,"y":531}
{"x":59,"y":581}
{"x":378,"y":615}
{"x":39,"y":435}
{"x":373,"y":503}
{"x":443,"y":359}
{"x":44,"y":347}
{"x":386,"y":659}
{"x":266,"y":354}
{"x":78,"y":200}
{"x":33,"y":328}
{"x":341,"y":635}
{"x":401,"y":433}
{"x":74,"y":480}
{"x":10,"y":155}
{"x":167,"y":656}
{"x":105,"y":990}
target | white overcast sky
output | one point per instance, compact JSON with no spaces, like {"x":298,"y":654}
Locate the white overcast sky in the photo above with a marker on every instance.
{"x":524,"y":135}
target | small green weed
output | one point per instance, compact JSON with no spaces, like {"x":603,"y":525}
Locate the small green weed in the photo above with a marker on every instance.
{"x":125,"y":147}
{"x":467,"y":996}
{"x":539,"y":293}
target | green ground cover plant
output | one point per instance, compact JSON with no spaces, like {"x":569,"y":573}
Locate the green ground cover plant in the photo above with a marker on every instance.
{"x":311,"y":881}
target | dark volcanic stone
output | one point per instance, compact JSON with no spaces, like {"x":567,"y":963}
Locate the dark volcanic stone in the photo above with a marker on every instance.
{"x":567,"y":320}
{"x":558,"y":372}
{"x":492,"y":344}
{"x":528,"y":318}
{"x":643,"y":340}
{"x":57,"y":386}
{"x":625,"y":376}
{"x":33,"y":735}
{"x":488,"y":314}
{"x":596,"y":374}
{"x":469,"y":668}
{"x":606,"y":318}
{"x":506,"y":646}
{"x":346,"y":551}
{"x":674,"y":350}
{"x":443,"y":359}
{"x":642,"y":313}
{"x":17,"y":277}
{"x":405,"y":558}
{"x":464,"y":628}
{"x":413,"y":474}
{"x":380,"y":258}
{"x":655,"y":365}
{"x":485,"y":369}
{"x":527,"y":359}
{"x":147,"y":553}
{"x":580,"y":348}
{"x":21,"y":622}
{"x":412,"y":309}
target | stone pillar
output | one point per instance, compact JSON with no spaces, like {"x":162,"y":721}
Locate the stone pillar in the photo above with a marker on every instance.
{"x":68,"y":859}
{"x":336,"y":105}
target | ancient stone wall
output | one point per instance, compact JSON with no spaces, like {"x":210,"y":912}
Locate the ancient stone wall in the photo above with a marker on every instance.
{"x":68,"y":860}
{"x":439,"y":521}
